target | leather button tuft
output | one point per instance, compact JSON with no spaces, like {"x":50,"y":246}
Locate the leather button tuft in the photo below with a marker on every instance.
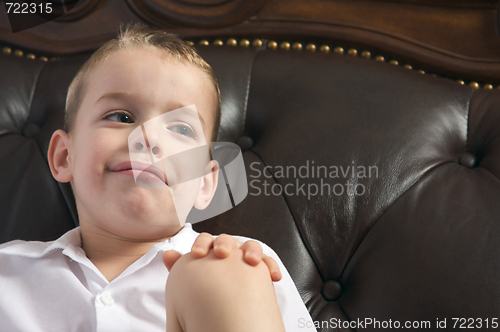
{"x":468,"y":160}
{"x":30,"y":130}
{"x":331,"y":290}
{"x":245,"y":143}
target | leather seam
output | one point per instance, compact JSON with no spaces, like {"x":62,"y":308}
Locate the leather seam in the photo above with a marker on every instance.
{"x":299,"y":230}
{"x":247,"y":92}
{"x":467,"y":143}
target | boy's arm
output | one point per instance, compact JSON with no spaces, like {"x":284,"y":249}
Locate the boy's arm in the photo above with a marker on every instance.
{"x":222,"y":247}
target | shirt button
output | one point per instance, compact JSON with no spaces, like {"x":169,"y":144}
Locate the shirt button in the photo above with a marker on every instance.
{"x":107,"y":300}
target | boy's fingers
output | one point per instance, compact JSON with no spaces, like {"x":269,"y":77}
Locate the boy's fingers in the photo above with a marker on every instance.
{"x":223,"y":245}
{"x":252,"y":252}
{"x":170,"y":257}
{"x":273,"y":267}
{"x":202,"y":245}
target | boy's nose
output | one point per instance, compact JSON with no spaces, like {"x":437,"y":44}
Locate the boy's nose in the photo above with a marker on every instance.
{"x":139,"y":146}
{"x":155,"y":149}
{"x":149,"y":142}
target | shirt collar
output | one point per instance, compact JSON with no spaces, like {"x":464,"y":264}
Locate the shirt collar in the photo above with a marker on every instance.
{"x":181,"y":242}
{"x":36,"y":249}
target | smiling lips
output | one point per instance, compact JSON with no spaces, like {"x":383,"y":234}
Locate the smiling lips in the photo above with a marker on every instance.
{"x":141,"y":171}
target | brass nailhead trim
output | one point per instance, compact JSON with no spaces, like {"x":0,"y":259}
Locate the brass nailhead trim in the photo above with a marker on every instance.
{"x":244,"y":43}
{"x":272,"y":45}
{"x":285,"y":45}
{"x":311,"y":47}
{"x":338,"y":50}
{"x":324,"y":49}
{"x":474,"y":85}
{"x":20,"y":53}
{"x":232,"y":42}
{"x":297,"y":47}
{"x":257,"y":43}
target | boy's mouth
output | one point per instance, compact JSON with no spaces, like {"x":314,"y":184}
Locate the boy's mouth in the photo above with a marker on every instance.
{"x":141,"y":171}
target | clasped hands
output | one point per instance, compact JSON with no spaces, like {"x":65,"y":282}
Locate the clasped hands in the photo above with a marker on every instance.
{"x":223,"y":246}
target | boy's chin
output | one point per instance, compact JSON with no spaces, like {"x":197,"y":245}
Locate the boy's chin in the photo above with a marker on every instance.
{"x":146,"y":216}
{"x":148,"y":232}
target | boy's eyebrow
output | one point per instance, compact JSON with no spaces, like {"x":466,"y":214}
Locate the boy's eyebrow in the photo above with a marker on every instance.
{"x":127,"y":95}
{"x":117,"y":96}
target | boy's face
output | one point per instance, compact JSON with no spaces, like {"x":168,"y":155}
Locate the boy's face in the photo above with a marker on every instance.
{"x":141,"y":85}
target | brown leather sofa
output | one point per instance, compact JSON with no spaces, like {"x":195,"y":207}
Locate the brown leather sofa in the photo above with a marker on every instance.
{"x":411,"y":235}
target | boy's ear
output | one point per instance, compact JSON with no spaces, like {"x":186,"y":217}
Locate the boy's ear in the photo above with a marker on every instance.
{"x":208,"y":186}
{"x":58,"y":156}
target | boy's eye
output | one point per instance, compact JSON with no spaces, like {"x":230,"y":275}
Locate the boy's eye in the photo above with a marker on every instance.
{"x":183,"y":130}
{"x":120,"y":117}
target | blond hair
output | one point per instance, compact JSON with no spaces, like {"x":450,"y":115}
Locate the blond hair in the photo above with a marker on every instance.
{"x":138,"y":35}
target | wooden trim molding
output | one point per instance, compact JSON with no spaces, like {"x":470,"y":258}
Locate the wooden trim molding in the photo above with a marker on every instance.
{"x":196,"y":13}
{"x":459,"y":39}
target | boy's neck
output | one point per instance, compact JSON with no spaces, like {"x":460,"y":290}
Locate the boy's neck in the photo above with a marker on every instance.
{"x":111,"y":254}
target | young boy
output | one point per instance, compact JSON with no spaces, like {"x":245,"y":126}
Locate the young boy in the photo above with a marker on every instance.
{"x":109,"y":273}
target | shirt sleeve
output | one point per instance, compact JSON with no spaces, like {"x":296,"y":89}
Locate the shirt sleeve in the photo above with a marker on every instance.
{"x":293,"y":310}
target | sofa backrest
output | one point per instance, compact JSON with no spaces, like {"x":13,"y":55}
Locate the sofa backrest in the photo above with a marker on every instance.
{"x":377,"y":186}
{"x":376,"y":182}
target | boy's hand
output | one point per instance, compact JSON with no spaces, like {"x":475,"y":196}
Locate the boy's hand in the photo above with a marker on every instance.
{"x":222,"y":247}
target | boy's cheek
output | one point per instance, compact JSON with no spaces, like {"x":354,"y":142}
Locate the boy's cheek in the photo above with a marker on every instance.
{"x":183,"y":198}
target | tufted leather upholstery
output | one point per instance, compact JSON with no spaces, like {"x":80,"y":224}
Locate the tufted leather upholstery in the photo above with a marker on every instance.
{"x":420,"y":243}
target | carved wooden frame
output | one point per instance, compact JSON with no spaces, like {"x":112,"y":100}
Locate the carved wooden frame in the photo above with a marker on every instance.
{"x":459,"y":39}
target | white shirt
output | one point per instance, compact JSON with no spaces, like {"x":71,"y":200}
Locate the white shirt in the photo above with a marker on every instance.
{"x":53,"y":286}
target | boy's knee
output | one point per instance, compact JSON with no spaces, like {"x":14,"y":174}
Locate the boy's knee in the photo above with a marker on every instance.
{"x":226,"y":292}
{"x":215,"y":279}
{"x":217,"y":273}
